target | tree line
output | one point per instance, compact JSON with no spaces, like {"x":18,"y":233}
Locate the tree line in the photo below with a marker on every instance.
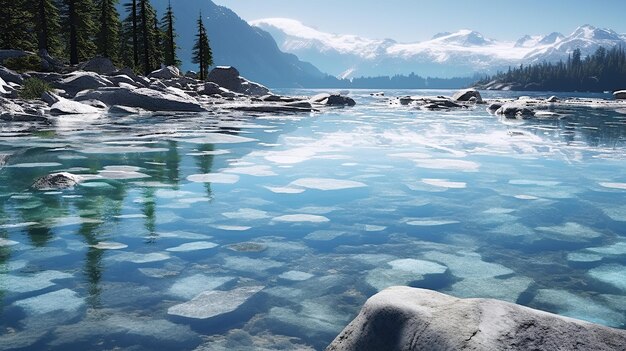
{"x":79,"y":30}
{"x":604,"y":70}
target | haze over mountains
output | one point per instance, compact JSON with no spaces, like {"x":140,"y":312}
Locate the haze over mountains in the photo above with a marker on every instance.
{"x":460,"y":53}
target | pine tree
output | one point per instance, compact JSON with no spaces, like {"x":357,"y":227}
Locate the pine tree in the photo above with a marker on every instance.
{"x":202,"y":54}
{"x":78,"y":20}
{"x":47,"y":26}
{"x":16,"y":25}
{"x":108,"y":34}
{"x":170,"y":58}
{"x":131,"y":31}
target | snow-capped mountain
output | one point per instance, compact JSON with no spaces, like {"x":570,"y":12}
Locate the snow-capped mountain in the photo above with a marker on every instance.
{"x":460,"y":53}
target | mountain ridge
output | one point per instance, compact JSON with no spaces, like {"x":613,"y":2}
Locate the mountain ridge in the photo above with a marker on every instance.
{"x":464,"y":52}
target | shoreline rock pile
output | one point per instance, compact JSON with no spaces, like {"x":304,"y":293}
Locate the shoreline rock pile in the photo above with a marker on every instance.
{"x":98,"y":87}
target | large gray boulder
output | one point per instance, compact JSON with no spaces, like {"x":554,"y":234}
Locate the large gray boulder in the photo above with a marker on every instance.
{"x":81,"y":80}
{"x":100,"y":65}
{"x":620,"y":95}
{"x":467,"y":95}
{"x":10,"y":76}
{"x":403,"y":318}
{"x":10,"y":53}
{"x":252,"y":88}
{"x":226,"y":77}
{"x":62,"y":106}
{"x":169,"y":72}
{"x":147,"y":99}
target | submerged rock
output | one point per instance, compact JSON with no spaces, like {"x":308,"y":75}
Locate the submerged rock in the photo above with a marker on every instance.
{"x":402,"y":318}
{"x":57,"y":181}
{"x":214,"y":303}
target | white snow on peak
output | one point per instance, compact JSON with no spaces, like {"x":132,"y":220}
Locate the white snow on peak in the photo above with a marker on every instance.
{"x":301,"y":37}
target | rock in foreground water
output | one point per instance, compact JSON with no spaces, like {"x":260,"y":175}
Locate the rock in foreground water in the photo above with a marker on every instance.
{"x":403,"y":318}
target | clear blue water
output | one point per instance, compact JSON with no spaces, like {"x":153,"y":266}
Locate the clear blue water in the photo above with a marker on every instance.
{"x":330,"y":208}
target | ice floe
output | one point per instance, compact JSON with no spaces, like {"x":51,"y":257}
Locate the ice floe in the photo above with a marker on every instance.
{"x":448,"y":164}
{"x":34,"y":165}
{"x":326,"y":184}
{"x":232,"y":228}
{"x":570,"y":231}
{"x":324,"y":235}
{"x":140,"y":258}
{"x":444,"y":183}
{"x":246,"y":264}
{"x":195,"y":246}
{"x":609,"y":185}
{"x":374,"y":228}
{"x":285,"y":190}
{"x":431,"y":222}
{"x":246,"y":214}
{"x":213,"y":303}
{"x":109,"y":245}
{"x":403,"y":272}
{"x":217,"y":178}
{"x":296,"y":276}
{"x":301,"y":218}
{"x":191,"y":286}
{"x":7,"y":242}
{"x":33,"y":282}
{"x":613,"y":274}
{"x":567,"y":304}
{"x":256,"y":171}
{"x":61,"y":300}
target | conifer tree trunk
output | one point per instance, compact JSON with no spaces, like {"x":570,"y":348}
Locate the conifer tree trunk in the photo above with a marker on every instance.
{"x":135,"y":39}
{"x":43,"y":33}
{"x":144,"y":32}
{"x":73,"y":32}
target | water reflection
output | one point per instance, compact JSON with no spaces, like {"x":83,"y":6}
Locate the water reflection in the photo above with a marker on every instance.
{"x":508,"y":211}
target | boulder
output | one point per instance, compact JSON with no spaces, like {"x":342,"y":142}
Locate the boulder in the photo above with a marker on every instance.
{"x":252,"y":88}
{"x":70,"y":107}
{"x":226,"y":77}
{"x":210,"y":88}
{"x":552,"y":99}
{"x":80,"y":80}
{"x":169,"y":72}
{"x":57,"y":181}
{"x":142,"y":81}
{"x":100,"y":65}
{"x":10,"y":111}
{"x":494,"y":107}
{"x":122,"y":78}
{"x":10,"y":76}
{"x":403,"y":318}
{"x":124,"y":110}
{"x":5,"y":89}
{"x":514,"y":111}
{"x":466,"y":95}
{"x":620,"y":95}
{"x":143,"y":98}
{"x":332,"y":100}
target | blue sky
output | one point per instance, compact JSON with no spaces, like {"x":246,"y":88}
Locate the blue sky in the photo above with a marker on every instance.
{"x":412,"y":20}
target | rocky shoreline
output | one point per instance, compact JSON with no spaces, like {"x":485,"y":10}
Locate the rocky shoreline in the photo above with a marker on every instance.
{"x":97,"y":87}
{"x":524,"y":107}
{"x":403,"y":318}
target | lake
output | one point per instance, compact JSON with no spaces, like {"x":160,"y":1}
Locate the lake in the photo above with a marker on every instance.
{"x":235,"y":233}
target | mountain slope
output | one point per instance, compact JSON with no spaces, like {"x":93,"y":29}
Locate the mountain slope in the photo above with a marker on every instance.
{"x":234,"y":42}
{"x":461,"y":53}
